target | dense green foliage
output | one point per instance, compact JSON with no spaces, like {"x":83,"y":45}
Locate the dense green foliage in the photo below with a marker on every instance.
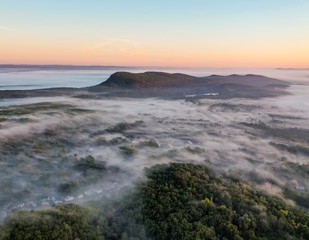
{"x":185,"y":201}
{"x":64,"y":222}
{"x":300,"y":197}
{"x":178,"y":201}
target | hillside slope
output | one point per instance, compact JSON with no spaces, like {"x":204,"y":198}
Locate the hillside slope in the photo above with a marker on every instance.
{"x":180,"y":86}
{"x":163,"y":80}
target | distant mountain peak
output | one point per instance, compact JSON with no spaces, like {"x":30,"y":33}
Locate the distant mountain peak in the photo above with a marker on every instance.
{"x":165,"y":80}
{"x":147,"y":80}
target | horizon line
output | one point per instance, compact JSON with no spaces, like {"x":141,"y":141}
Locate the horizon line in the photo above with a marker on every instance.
{"x":26,"y":65}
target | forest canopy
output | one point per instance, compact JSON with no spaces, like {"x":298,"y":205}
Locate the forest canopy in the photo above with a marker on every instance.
{"x":177,"y":201}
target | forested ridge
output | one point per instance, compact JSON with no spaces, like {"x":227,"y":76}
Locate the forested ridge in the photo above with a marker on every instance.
{"x":177,"y":201}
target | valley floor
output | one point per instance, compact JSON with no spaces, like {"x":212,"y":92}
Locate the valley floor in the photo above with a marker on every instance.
{"x":65,"y":150}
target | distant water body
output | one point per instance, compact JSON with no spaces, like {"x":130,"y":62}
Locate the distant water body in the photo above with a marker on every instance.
{"x":27,"y":78}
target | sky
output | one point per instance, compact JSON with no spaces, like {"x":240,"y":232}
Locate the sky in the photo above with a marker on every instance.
{"x":178,"y":33}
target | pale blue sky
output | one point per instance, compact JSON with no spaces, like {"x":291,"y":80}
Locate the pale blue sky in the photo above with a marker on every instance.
{"x":173,"y":26}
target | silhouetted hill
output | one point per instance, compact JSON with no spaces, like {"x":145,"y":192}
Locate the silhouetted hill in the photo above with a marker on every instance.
{"x":147,"y":80}
{"x":166,"y":80}
{"x":167,"y":85}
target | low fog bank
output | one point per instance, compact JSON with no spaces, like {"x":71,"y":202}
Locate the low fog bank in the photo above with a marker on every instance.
{"x":76,"y":150}
{"x":6,"y":102}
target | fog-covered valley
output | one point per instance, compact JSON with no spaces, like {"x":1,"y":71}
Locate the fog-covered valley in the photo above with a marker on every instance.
{"x":69,"y":150}
{"x":154,"y":120}
{"x":92,"y":155}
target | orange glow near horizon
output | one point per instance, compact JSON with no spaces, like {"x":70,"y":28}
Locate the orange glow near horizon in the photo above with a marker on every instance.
{"x":156,"y":33}
{"x":127,"y":55}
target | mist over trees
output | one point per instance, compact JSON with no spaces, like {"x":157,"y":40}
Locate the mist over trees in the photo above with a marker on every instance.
{"x":177,"y":201}
{"x":97,"y":167}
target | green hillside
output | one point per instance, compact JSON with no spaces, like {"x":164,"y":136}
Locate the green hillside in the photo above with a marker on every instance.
{"x":178,"y":201}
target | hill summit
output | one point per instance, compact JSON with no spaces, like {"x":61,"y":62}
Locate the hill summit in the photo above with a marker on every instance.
{"x":147,"y":79}
{"x":166,"y":80}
